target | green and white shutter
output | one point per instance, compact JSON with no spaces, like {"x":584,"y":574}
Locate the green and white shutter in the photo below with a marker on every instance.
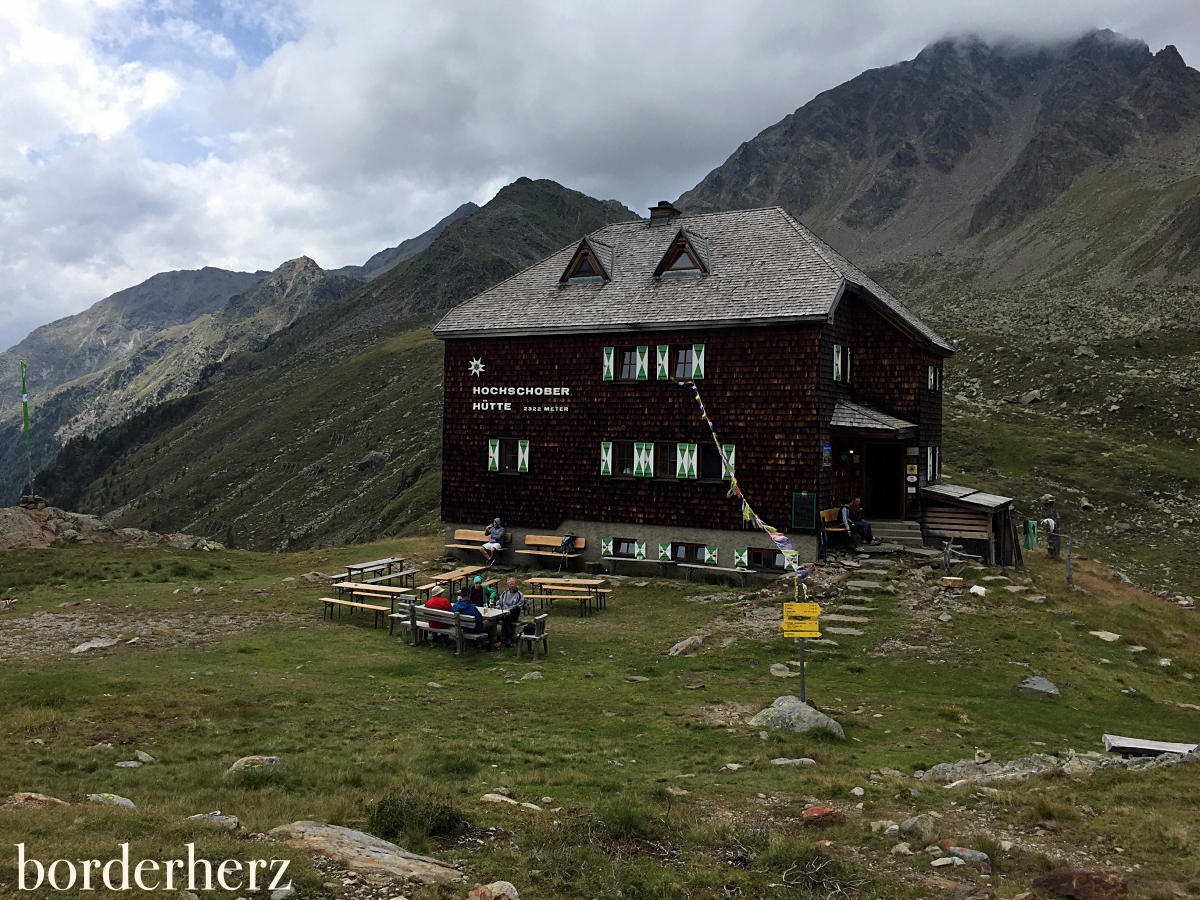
{"x":494,"y":455}
{"x":606,"y":457}
{"x":609,"y":352}
{"x":697,"y":361}
{"x":664,"y":362}
{"x":643,"y":460}
{"x":643,"y":363}
{"x":710,"y":555}
{"x":685,"y":460}
{"x":606,"y":545}
{"x":837,"y":362}
{"x":522,"y":456}
{"x":728,"y":464}
{"x":740,"y":558}
{"x":664,"y":552}
{"x":639,"y":549}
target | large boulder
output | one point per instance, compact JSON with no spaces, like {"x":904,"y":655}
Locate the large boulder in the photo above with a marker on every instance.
{"x":1036,"y":684}
{"x":372,"y":858}
{"x":792,"y":713}
{"x":254,"y":762}
{"x":1084,"y":883}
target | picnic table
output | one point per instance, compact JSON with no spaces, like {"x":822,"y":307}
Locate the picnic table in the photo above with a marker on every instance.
{"x":586,"y":590}
{"x":450,"y":579}
{"x":362,"y":570}
{"x":373,"y":590}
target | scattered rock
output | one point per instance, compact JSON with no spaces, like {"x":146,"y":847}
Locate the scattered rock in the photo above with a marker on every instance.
{"x":945,"y":617}
{"x":371,"y":460}
{"x":676,"y":791}
{"x":255,"y":762}
{"x":848,"y":632}
{"x":791,"y":713}
{"x":373,"y":859}
{"x":890,"y":773}
{"x":732,"y":767}
{"x":902,"y":849}
{"x":1105,"y":635}
{"x":96,"y":644}
{"x":857,"y":791}
{"x":532,"y":676}
{"x":229,"y":823}
{"x":798,"y":761}
{"x":687,"y":645}
{"x":129,"y":764}
{"x":636,"y":678}
{"x":1036,"y":684}
{"x":29,"y":800}
{"x":143,"y":756}
{"x":978,"y":590}
{"x":199,"y":591}
{"x":497,"y":890}
{"x":1034,"y":396}
{"x":432,"y":684}
{"x":982,"y":757}
{"x":112,"y":799}
{"x":920,"y":827}
{"x":497,"y":798}
{"x":823,"y":816}
{"x":863,"y":585}
{"x":283,"y":893}
{"x":1084,"y":883}
{"x":892,"y":831}
{"x":779,"y":670}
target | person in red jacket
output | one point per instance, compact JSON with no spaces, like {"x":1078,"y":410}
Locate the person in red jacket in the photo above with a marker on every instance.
{"x":442,"y":603}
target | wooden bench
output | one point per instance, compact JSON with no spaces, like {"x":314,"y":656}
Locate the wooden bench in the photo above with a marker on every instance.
{"x":611,"y":562}
{"x":423,"y":621}
{"x":332,"y":603}
{"x":479,"y":538}
{"x":549,"y":544}
{"x":407,"y":575}
{"x":403,"y":613}
{"x":377,"y":591}
{"x":703,"y":567}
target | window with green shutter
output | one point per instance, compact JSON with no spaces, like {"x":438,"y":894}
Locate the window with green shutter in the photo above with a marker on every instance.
{"x":643,"y":460}
{"x":606,"y":546}
{"x":664,"y":552}
{"x":710,"y":555}
{"x":664,"y":362}
{"x":837,"y":362}
{"x":697,"y":361}
{"x":643,"y":363}
{"x":639,"y":549}
{"x":728,"y":465}
{"x":609,"y":353}
{"x":606,"y":457}
{"x":740,"y":558}
{"x":522,"y":456}
{"x":494,"y":455}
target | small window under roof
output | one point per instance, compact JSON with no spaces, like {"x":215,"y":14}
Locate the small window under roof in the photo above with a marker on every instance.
{"x":686,"y":256}
{"x":591,"y":264}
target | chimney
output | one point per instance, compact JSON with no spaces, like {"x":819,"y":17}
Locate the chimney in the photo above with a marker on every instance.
{"x":663,"y":213}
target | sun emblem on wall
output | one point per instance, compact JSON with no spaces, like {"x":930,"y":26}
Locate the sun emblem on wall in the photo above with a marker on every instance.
{"x":476,"y":366}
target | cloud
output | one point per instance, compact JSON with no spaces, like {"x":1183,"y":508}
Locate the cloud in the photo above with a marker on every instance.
{"x":167,"y":134}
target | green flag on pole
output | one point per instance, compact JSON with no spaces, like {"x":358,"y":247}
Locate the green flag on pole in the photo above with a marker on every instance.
{"x":25,"y":404}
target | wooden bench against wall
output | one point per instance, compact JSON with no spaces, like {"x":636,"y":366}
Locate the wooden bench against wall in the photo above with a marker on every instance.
{"x":547,"y":545}
{"x":466,"y":539}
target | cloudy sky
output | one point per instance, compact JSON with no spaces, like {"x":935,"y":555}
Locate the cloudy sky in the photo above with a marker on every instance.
{"x":137,"y":137}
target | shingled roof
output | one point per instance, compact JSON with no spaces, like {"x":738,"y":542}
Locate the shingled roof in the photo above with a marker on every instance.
{"x":764,"y":268}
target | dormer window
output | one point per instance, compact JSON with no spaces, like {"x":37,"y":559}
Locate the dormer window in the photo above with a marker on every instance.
{"x":591,"y":264}
{"x":686,"y":257}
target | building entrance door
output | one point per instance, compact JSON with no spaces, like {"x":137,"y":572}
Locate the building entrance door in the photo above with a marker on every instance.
{"x":883,"y":472}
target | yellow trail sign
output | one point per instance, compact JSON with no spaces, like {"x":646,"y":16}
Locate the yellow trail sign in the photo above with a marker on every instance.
{"x":793,"y":628}
{"x":801,"y":610}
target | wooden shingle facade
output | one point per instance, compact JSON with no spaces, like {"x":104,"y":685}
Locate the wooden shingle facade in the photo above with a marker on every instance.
{"x":566,"y":403}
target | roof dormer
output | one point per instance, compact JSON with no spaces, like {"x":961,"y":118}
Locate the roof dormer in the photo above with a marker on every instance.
{"x":686,"y":257}
{"x":591,"y":264}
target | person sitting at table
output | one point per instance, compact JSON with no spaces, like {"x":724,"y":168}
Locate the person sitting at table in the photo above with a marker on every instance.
{"x":494,"y":543}
{"x":479,"y":625}
{"x":439,"y":601}
{"x":511,"y":602}
{"x":482,"y":594}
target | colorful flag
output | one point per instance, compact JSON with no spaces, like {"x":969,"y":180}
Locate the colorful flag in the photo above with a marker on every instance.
{"x":25,"y":404}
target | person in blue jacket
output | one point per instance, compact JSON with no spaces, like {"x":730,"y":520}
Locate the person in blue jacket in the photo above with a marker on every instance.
{"x":466,"y":608}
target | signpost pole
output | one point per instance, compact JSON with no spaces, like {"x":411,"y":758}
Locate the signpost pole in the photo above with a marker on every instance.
{"x":800,"y":641}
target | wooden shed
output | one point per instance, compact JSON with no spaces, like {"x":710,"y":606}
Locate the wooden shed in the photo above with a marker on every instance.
{"x":983,"y":523}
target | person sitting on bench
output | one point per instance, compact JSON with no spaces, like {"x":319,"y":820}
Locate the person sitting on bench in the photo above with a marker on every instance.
{"x":466,"y":608}
{"x":854,"y":521}
{"x":494,"y":542}
{"x":512,"y":602}
{"x":482,"y":594}
{"x":438,"y":601}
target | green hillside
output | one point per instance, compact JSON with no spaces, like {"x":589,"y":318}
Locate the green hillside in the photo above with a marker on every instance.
{"x":265,"y":453}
